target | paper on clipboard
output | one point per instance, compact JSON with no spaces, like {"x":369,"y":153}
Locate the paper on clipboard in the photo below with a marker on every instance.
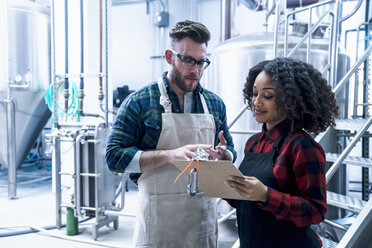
{"x":211,"y":177}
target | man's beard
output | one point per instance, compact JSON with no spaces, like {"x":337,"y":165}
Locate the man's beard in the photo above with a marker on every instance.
{"x":176,"y":78}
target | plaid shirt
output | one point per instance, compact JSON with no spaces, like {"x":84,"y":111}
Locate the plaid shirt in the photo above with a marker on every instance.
{"x":138,"y":122}
{"x":299,"y":170}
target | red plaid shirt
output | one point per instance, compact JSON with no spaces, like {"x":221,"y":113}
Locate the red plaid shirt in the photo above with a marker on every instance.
{"x":299,"y":170}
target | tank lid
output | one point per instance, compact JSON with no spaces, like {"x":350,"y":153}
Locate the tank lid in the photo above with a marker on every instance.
{"x":261,"y":39}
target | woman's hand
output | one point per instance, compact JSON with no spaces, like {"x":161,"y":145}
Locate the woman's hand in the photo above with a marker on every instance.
{"x":249,"y":187}
{"x":221,"y":152}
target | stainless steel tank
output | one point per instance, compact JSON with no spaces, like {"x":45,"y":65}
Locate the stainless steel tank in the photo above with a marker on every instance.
{"x":28,"y":73}
{"x":231,"y":61}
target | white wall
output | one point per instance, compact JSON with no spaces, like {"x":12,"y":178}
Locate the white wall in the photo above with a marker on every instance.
{"x":131,"y":46}
{"x":135,"y":37}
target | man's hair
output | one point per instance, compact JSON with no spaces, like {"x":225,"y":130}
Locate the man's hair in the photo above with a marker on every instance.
{"x":189,"y":29}
{"x":307,"y":98}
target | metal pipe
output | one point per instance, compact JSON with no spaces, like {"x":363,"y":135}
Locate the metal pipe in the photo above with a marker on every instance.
{"x":90,"y":175}
{"x":57,"y":162}
{"x":35,"y":180}
{"x":366,"y":71}
{"x":241,"y":111}
{"x":310,"y":23}
{"x":227,"y":18}
{"x":268,"y":14}
{"x":334,"y":48}
{"x":53,"y":65}
{"x":107,"y":65}
{"x":81,"y":90}
{"x":356,"y":8}
{"x":254,"y":5}
{"x":276,"y":30}
{"x":115,"y":213}
{"x":128,"y":2}
{"x":285,"y":45}
{"x":243,"y":131}
{"x":100,"y":89}
{"x":335,"y":224}
{"x":355,"y":67}
{"x":335,"y":166}
{"x":122,"y":191}
{"x":108,"y":110}
{"x":10,"y":121}
{"x":119,"y":190}
{"x":327,"y":68}
{"x":356,"y":76}
{"x":85,"y":75}
{"x":66,"y":93}
{"x":96,"y":181}
{"x":11,"y":148}
{"x":228,"y":215}
{"x":77,"y":189}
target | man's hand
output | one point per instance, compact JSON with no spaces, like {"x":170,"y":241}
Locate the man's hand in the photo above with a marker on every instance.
{"x":250,"y":188}
{"x":221,"y":152}
{"x":185,"y":152}
{"x":156,"y":158}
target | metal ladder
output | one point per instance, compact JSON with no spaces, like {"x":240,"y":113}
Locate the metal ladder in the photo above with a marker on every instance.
{"x":357,"y":233}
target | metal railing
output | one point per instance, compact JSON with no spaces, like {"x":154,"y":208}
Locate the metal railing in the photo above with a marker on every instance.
{"x":332,"y":52}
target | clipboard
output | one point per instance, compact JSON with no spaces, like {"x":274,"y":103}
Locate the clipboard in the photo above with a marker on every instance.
{"x":211,"y":177}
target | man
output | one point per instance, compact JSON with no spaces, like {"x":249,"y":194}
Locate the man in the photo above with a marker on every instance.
{"x":167,"y":120}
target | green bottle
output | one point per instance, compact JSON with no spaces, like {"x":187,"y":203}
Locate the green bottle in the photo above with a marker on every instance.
{"x":71,"y":221}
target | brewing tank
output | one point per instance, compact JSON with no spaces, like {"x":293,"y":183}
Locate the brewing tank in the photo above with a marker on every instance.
{"x":28,"y":75}
{"x":231,"y":61}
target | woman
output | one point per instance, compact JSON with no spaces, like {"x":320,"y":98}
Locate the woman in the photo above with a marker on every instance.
{"x":284,"y":167}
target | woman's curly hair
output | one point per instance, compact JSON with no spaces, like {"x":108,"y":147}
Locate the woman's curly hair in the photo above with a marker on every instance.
{"x":307,"y":98}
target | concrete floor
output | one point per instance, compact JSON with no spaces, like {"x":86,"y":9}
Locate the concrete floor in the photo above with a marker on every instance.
{"x":35,"y":206}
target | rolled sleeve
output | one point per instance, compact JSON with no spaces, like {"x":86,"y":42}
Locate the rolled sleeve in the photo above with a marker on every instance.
{"x":124,"y":135}
{"x":276,"y":202}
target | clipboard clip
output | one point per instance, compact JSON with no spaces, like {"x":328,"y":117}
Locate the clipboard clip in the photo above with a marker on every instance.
{"x":192,"y":187}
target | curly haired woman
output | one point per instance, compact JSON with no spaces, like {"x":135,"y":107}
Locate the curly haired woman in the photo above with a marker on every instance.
{"x":284,"y":167}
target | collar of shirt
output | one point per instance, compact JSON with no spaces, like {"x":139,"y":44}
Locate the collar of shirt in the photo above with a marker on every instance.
{"x":276,"y":131}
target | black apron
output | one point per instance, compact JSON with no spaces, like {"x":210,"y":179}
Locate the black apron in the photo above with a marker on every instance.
{"x":259,"y":228}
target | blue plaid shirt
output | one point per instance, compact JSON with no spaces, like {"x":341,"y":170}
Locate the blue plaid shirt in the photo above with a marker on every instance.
{"x":138,"y":122}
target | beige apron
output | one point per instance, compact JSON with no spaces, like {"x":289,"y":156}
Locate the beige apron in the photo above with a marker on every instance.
{"x":167,"y":216}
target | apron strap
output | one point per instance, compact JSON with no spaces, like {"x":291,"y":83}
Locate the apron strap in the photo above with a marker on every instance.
{"x":204,"y":103}
{"x":164,"y":99}
{"x":167,"y":104}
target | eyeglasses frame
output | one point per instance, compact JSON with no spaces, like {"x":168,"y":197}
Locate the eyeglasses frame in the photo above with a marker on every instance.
{"x":196,"y":62}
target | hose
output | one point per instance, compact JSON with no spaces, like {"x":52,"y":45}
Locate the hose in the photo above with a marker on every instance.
{"x":32,"y":229}
{"x":44,"y":230}
{"x":21,"y":232}
{"x":73,"y":108}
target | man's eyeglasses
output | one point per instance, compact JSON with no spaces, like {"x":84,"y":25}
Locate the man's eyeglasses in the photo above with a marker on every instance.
{"x":189,"y":63}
